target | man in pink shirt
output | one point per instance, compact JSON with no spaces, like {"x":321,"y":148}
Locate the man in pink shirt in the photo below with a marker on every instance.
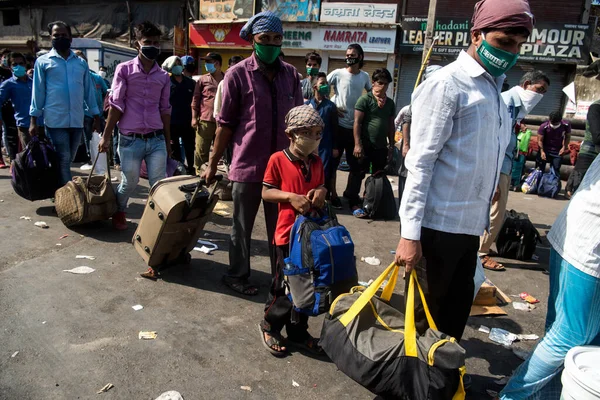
{"x":139,"y":102}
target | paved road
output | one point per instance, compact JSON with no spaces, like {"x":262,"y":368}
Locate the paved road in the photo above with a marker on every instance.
{"x":76,"y":333}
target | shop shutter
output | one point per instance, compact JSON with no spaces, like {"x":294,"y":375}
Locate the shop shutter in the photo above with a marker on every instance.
{"x":298,"y":63}
{"x":557,"y":73}
{"x":409,"y":69}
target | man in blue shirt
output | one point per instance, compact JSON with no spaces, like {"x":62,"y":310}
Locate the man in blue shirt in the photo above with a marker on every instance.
{"x":61,"y":85}
{"x":88,"y":120}
{"x":17,"y":90}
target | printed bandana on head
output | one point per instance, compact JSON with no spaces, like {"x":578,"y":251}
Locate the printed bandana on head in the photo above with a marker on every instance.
{"x":302,"y":117}
{"x":265,"y":21}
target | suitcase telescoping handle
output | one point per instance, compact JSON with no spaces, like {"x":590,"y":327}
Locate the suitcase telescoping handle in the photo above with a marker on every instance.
{"x":202,"y":182}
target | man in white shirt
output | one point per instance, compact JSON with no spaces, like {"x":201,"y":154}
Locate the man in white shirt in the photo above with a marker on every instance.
{"x":459,"y":133}
{"x":348,"y":85}
{"x":573,"y":317}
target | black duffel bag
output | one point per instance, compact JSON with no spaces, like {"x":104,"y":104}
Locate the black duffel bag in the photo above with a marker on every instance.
{"x":518,"y":237}
{"x":35,"y":171}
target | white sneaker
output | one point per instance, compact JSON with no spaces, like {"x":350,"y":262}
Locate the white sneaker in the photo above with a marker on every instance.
{"x":86,"y":167}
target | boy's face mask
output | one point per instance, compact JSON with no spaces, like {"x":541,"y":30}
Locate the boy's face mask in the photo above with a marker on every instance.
{"x":306,"y":145}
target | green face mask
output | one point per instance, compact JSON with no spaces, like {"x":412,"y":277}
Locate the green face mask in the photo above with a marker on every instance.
{"x":496,"y":61}
{"x":311,"y":71}
{"x":267,"y":53}
{"x":324,"y":90}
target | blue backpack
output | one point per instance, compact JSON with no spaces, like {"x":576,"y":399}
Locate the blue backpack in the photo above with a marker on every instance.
{"x":321,"y":264}
{"x":549,"y":185}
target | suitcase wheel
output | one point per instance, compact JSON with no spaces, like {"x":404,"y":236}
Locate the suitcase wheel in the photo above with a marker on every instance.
{"x":151,"y":204}
{"x":138,"y":238}
{"x":161,"y":216}
{"x":147,"y":249}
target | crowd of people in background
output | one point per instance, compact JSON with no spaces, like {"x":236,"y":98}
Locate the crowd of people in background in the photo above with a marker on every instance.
{"x":269,"y":121}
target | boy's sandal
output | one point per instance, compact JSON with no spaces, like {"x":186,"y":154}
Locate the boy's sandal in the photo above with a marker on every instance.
{"x":241,"y":287}
{"x":309,"y":344}
{"x":275,"y":340}
{"x":359,"y":213}
{"x":150,"y":274}
{"x":491,"y":264}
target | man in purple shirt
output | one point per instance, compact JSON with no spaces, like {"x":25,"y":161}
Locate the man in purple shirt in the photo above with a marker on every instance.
{"x":258,"y":92}
{"x":139,"y":102}
{"x":553,"y":138}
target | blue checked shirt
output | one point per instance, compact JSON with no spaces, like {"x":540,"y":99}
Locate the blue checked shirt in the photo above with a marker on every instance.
{"x":60,"y":89}
{"x":460,"y":131}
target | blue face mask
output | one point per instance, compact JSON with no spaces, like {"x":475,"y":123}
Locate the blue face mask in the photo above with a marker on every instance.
{"x":210,"y":68}
{"x":177,"y":70}
{"x":19,"y":71}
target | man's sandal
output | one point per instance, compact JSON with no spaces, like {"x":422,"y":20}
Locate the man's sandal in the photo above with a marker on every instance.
{"x":491,"y":264}
{"x":275,"y":340}
{"x":309,"y":344}
{"x":241,"y":287}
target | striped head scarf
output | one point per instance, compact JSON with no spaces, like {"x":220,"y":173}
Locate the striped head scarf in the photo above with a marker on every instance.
{"x":265,"y":21}
{"x":302,"y":117}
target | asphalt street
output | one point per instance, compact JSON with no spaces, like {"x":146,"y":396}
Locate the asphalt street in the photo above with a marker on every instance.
{"x":65,"y":336}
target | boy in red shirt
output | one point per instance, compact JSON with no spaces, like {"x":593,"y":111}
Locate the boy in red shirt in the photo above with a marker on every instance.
{"x":294,"y":178}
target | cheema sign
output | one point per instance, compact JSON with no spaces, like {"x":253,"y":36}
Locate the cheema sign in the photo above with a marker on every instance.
{"x":568,"y":43}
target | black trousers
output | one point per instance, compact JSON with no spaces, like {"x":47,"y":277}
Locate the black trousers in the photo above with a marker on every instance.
{"x":188,"y":137}
{"x":446,"y":276}
{"x":279,"y":309}
{"x":360,"y":167}
{"x":555,"y":162}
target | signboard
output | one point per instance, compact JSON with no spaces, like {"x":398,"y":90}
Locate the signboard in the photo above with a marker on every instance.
{"x":359,"y":12}
{"x":299,"y":37}
{"x":454,"y":35}
{"x":294,"y":10}
{"x":558,"y":43}
{"x":549,"y":42}
{"x":217,"y":36}
{"x":226,"y":9}
{"x":178,"y":41}
{"x":371,"y":40}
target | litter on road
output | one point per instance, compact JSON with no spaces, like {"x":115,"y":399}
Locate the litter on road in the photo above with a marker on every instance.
{"x":502,"y":337}
{"x":137,"y":307}
{"x":106,"y":388}
{"x":295,"y":384}
{"x":80,"y":270}
{"x":81,"y":257}
{"x":25,"y":218}
{"x":484,"y":329}
{"x":517,"y":305}
{"x":41,"y":224}
{"x":246,"y":388}
{"x":147,"y":335}
{"x":170,"y":395}
{"x":528,"y":337}
{"x":63,"y":236}
{"x":528,"y":298}
{"x":14,"y":354}
{"x":371,"y":260}
{"x":207,"y":247}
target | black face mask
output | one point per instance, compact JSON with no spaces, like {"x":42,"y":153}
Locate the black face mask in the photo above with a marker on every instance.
{"x":150,"y":52}
{"x":190,"y":68}
{"x":61,"y":43}
{"x":351,"y":60}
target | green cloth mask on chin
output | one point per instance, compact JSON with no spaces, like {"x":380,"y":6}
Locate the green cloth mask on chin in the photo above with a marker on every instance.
{"x":324,"y":90}
{"x":267,"y":53}
{"x":495,"y":60}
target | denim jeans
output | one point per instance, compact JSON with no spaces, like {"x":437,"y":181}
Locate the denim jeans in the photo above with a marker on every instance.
{"x":116,"y":159}
{"x":572,"y":320}
{"x":132,"y":151}
{"x":65,"y":141}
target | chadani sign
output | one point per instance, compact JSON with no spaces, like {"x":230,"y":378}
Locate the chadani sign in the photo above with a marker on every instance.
{"x":549,"y":42}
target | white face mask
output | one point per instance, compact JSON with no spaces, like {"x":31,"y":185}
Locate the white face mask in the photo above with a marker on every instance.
{"x":529,"y":98}
{"x":555,"y":126}
{"x":102,"y":74}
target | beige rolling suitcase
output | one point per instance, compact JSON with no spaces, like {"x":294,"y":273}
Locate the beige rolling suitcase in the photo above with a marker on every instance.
{"x":176,"y":212}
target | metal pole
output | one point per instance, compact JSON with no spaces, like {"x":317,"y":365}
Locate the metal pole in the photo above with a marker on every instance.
{"x":430,"y":29}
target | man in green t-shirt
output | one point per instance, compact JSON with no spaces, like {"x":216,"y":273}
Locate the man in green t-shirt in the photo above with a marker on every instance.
{"x":373,"y":135}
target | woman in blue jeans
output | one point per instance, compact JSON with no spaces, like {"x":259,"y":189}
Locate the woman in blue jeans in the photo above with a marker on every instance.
{"x":573,"y":317}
